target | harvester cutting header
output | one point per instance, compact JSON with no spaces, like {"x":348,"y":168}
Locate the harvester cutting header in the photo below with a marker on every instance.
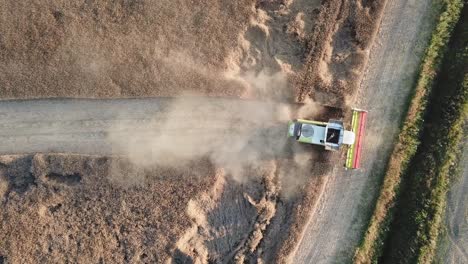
{"x":332,"y":135}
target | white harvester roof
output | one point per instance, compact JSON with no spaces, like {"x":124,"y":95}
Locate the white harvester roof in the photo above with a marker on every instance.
{"x":312,"y":134}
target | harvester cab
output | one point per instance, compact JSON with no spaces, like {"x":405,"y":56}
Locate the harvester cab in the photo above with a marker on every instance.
{"x":332,"y":135}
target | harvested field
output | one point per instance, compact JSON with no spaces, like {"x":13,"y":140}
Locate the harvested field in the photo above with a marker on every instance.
{"x":167,"y":48}
{"x":119,"y":48}
{"x":338,"y":49}
{"x":271,"y":50}
{"x":66,"y":208}
{"x":146,"y":48}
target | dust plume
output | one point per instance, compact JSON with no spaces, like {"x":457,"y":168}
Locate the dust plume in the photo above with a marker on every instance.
{"x":232,"y":133}
{"x":309,"y":108}
{"x":264,"y":84}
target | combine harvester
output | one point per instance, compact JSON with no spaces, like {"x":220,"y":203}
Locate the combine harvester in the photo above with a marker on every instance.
{"x":332,"y":135}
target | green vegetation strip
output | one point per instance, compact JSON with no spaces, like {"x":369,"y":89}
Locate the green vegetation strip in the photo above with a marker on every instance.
{"x":415,"y":226}
{"x":408,"y":141}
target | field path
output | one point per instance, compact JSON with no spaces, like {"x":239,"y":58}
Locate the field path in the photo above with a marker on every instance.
{"x":83,"y":125}
{"x":336,"y":226}
{"x":457,"y":215}
{"x":67,"y":125}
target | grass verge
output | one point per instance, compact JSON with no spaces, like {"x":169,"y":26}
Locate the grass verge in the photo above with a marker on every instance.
{"x":409,"y":139}
{"x":416,"y":225}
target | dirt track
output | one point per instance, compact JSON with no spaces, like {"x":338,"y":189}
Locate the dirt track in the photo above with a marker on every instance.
{"x":66,"y":125}
{"x":341,"y":213}
{"x":83,"y":126}
{"x":457,"y":216}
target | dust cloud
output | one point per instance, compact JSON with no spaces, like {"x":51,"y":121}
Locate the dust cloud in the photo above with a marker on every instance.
{"x":234,"y":134}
